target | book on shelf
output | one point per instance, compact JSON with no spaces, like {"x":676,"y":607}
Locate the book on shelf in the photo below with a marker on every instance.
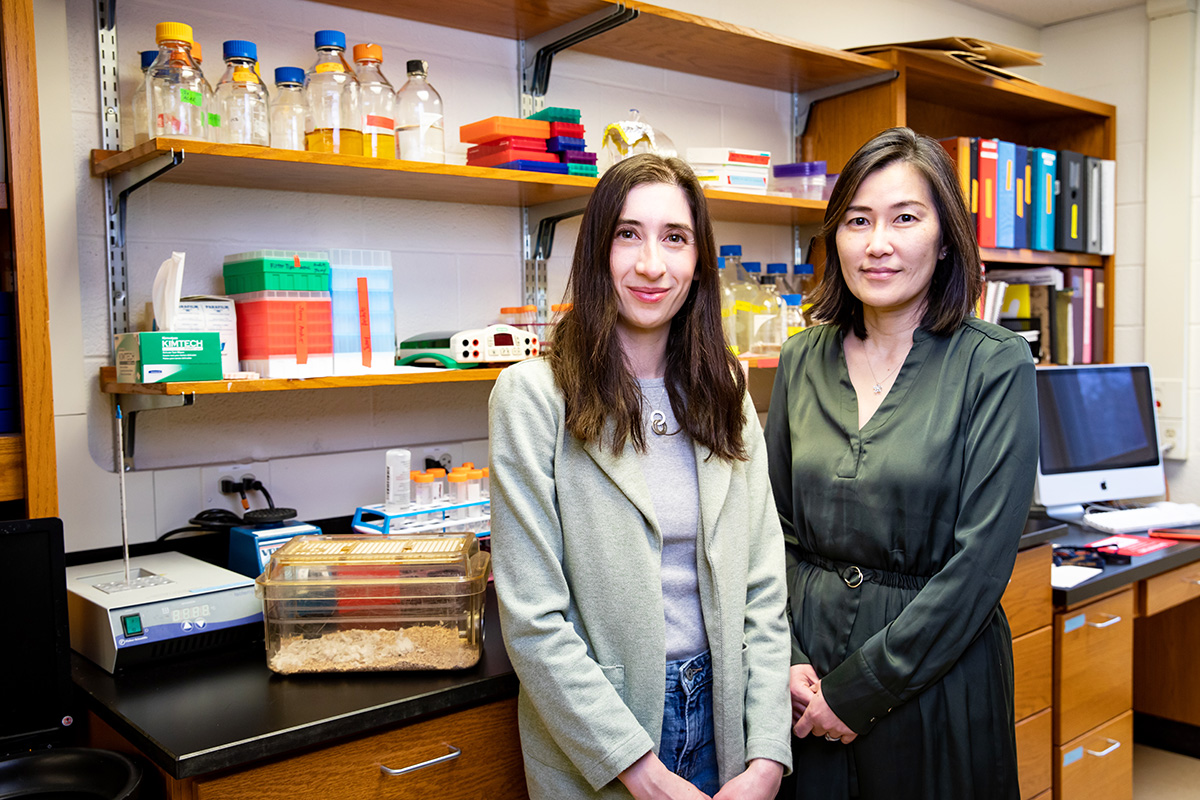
{"x":1023,"y":227}
{"x":1108,"y":207}
{"x":964,"y":152}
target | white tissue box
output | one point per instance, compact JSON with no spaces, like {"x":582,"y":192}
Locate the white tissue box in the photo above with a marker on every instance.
{"x":211,"y":313}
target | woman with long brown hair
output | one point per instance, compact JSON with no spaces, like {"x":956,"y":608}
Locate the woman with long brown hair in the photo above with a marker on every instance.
{"x":637,"y":552}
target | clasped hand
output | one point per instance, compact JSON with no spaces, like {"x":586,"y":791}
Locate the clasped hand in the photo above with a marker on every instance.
{"x":810,"y":712}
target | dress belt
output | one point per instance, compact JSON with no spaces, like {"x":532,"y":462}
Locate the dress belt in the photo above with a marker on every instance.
{"x":854,"y":575}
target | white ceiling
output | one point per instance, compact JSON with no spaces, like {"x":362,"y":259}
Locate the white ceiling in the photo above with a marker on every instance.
{"x":1040,"y":13}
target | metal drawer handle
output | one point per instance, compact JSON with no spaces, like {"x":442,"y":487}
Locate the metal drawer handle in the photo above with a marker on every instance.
{"x":1112,"y":745}
{"x":453,"y":754}
{"x":1112,"y":621}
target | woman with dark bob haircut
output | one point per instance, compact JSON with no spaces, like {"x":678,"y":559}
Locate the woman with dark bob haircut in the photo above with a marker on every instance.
{"x":638,"y":556}
{"x":902,"y":441}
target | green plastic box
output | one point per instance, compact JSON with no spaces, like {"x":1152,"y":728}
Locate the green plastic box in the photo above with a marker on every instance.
{"x":276,"y":270}
{"x":557,"y":114}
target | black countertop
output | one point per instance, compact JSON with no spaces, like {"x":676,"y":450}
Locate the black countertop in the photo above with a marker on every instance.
{"x":194,"y":716}
{"x":1118,"y":576}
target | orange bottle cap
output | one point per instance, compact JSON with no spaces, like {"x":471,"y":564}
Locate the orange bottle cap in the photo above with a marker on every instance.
{"x":469,"y":464}
{"x":475,"y":474}
{"x":368,"y":52}
{"x":512,"y":309}
{"x":456,"y":477}
{"x":436,"y":472}
{"x":422,"y":478}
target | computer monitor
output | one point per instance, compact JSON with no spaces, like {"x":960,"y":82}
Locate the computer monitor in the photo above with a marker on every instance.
{"x":1099,"y":437}
{"x":36,"y":669}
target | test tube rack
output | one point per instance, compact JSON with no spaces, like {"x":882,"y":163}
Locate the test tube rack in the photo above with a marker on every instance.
{"x":373,"y":518}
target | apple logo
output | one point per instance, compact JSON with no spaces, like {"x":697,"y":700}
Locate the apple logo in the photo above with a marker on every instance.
{"x":1104,"y":485}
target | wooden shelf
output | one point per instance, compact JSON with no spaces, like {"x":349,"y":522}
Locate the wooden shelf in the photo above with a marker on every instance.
{"x":109,"y":385}
{"x":659,"y":37}
{"x":996,"y":255}
{"x":250,"y":167}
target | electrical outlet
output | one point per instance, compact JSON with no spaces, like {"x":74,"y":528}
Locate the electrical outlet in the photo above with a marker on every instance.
{"x":1174,"y":441}
{"x":448,"y":455}
{"x":210,"y":485}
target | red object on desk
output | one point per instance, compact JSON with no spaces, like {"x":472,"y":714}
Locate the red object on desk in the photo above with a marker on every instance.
{"x":1132,"y":545}
{"x":1175,"y":533}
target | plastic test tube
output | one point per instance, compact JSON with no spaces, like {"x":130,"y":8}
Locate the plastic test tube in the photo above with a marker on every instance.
{"x":423,"y":488}
{"x":439,"y":483}
{"x":474,"y":489}
{"x":485,"y":491}
{"x":458,"y":492}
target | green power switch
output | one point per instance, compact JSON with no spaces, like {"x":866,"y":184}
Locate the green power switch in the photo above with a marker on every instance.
{"x":132,"y":625}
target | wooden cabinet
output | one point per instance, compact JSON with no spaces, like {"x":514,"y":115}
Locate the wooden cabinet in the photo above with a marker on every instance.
{"x":1093,"y":665}
{"x":1098,"y":763}
{"x":1166,"y":655}
{"x":488,"y":764}
{"x":1027,"y":604}
{"x":27,"y":459}
{"x":1168,"y":590}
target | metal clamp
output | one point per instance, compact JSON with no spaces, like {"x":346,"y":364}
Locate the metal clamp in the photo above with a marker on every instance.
{"x":1112,"y":745}
{"x":1113,"y":620}
{"x":453,"y":754}
{"x":853,"y":576}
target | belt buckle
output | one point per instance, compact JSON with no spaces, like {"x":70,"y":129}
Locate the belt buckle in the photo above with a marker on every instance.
{"x":852,"y":576}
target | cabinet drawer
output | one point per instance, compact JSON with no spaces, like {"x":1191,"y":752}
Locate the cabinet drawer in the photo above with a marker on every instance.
{"x":1093,"y":665}
{"x":1169,"y":589}
{"x":1034,"y":755}
{"x":489,"y":764}
{"x":1097,"y":764}
{"x":1033,"y":659}
{"x":1027,"y":601}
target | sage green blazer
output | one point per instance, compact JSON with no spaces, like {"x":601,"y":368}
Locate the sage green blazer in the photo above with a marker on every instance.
{"x":576,"y":553}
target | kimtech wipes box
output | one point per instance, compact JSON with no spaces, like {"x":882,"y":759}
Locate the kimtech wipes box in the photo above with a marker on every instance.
{"x":160,"y":356}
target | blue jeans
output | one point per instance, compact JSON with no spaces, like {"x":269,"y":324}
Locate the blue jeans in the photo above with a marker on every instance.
{"x":687,"y":746}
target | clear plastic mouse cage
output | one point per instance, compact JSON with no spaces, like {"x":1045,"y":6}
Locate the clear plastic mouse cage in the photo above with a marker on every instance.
{"x":374,"y":603}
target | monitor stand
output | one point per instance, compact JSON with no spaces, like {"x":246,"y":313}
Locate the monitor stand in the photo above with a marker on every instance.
{"x":1072,"y":513}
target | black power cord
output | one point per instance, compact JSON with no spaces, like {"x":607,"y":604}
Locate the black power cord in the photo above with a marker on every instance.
{"x":220,"y":520}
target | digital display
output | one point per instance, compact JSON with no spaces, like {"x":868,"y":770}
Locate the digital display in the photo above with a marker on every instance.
{"x":502,"y":340}
{"x":189,"y":613}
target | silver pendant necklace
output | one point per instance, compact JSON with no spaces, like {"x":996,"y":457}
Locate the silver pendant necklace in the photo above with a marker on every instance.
{"x":878,"y":387}
{"x":658,"y":419}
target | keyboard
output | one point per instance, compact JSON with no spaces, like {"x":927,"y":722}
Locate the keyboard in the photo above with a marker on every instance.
{"x":1157,"y":515}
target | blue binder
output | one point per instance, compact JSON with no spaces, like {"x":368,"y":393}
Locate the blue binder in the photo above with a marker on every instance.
{"x":1006,"y":194}
{"x":1024,"y":197}
{"x":1045,"y":177}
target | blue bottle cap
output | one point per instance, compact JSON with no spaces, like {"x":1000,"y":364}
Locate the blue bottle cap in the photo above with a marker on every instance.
{"x":289,"y":75}
{"x":731,"y":250}
{"x":752,"y":266}
{"x":721,"y":262}
{"x":329,"y":39}
{"x":777,"y":269}
{"x":239,"y":48}
{"x":793,"y":299}
{"x":148,"y":57}
{"x":804,"y":269}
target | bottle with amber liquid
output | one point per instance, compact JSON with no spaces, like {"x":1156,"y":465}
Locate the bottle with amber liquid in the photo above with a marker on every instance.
{"x":335,"y":114}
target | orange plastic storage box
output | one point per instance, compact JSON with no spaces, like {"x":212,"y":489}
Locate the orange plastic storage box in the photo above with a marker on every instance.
{"x":285,"y":270}
{"x":487,"y":130}
{"x":277,"y":323}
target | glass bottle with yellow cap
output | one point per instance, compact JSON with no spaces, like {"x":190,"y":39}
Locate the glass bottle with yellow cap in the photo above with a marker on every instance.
{"x":175,"y":86}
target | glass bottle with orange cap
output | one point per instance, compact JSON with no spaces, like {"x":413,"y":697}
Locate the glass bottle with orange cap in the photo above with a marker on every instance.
{"x":378,"y":102}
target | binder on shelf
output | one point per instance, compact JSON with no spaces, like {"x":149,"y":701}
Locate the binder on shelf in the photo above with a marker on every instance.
{"x":1045,"y":190}
{"x":988,"y":157}
{"x":1082,"y":285}
{"x":1060,"y":333}
{"x":964,"y":152}
{"x":1006,"y":194}
{"x":1099,"y":330}
{"x":1092,"y":183}
{"x":1071,"y":229}
{"x":1023,"y":227}
{"x":1108,"y":207}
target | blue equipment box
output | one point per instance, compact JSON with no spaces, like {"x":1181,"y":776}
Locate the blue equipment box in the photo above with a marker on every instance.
{"x":250,"y":548}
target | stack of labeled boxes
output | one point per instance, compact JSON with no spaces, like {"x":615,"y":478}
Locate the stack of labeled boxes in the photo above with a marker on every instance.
{"x":731,"y":169}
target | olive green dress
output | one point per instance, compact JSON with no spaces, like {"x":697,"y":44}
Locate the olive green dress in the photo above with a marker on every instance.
{"x":901,"y":539}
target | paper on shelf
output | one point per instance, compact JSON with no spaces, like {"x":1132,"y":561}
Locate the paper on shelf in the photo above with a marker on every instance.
{"x":168,"y":286}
